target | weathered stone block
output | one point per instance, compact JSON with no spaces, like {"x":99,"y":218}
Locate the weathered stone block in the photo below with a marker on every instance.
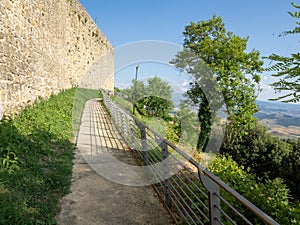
{"x":47,"y":46}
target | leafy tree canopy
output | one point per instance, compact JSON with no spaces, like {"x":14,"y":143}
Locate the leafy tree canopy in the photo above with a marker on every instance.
{"x":153,"y":99}
{"x":234,"y":69}
{"x":287,"y":68}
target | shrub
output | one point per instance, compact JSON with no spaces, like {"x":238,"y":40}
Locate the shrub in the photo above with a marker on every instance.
{"x":272,"y":196}
{"x":290,"y":169}
{"x":267,"y":156}
{"x":256,"y":149}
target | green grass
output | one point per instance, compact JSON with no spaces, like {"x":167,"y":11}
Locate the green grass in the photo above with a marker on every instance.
{"x":123,"y":103}
{"x":155,"y":123}
{"x":36,"y":152}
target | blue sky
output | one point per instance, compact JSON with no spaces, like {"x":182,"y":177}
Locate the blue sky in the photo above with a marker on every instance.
{"x":262,"y":20}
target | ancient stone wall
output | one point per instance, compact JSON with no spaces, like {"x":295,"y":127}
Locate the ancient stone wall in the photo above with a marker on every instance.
{"x":47,"y":46}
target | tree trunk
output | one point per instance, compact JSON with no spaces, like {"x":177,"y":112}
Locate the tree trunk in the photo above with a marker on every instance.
{"x":205,"y":119}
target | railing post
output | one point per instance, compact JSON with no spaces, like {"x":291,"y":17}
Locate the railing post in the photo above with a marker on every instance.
{"x":118,"y":119}
{"x":213,"y":198}
{"x":124,"y":125}
{"x":144,"y":143}
{"x":165,"y":153}
{"x":114,"y":115}
{"x":132,"y":133}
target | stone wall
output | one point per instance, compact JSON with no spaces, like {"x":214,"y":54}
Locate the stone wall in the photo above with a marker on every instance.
{"x":47,"y":46}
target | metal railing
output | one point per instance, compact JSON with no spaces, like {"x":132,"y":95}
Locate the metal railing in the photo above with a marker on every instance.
{"x":192,"y":194}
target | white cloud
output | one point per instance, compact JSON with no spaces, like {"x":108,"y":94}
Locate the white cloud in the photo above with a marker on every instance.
{"x":185,"y":83}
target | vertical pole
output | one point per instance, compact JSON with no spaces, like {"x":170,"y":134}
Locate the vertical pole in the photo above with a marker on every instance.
{"x":132,"y":134}
{"x":119,"y":125}
{"x":144,"y":143}
{"x":124,"y":125}
{"x":134,"y":95}
{"x":214,"y":200}
{"x":114,"y":115}
{"x":166,"y":168}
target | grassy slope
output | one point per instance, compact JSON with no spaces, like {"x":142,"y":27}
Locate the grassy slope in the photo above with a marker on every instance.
{"x":36,"y":152}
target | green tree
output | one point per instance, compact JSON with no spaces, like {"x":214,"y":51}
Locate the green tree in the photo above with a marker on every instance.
{"x":287,"y":68}
{"x":160,"y":88}
{"x":234,"y":70}
{"x":157,"y":101}
{"x":153,"y":99}
{"x":187,"y":125}
{"x":290,"y":169}
{"x":259,"y":150}
{"x":137,"y":91}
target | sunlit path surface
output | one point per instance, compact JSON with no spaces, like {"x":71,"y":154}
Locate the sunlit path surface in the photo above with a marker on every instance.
{"x":95,"y":199}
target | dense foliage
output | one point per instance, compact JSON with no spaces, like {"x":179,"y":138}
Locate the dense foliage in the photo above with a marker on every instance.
{"x":36,"y":152}
{"x":272,"y":195}
{"x":235,"y":72}
{"x":256,"y":149}
{"x":265,"y":155}
{"x":290,"y":169}
{"x":274,"y":162}
{"x":187,"y":126}
{"x":153,"y":99}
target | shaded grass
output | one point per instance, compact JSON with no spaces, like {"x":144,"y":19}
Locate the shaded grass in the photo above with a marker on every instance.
{"x":38,"y":149}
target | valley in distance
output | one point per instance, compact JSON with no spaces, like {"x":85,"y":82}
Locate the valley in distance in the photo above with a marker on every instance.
{"x":282,"y":119}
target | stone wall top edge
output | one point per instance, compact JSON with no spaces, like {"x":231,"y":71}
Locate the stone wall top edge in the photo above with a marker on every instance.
{"x":78,"y":6}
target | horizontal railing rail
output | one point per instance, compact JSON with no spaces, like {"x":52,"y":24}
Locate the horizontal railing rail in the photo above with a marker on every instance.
{"x":191,"y":193}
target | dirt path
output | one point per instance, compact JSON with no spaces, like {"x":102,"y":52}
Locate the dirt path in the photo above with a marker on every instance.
{"x":95,"y":199}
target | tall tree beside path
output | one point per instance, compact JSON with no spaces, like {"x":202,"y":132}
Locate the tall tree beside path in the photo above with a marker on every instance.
{"x":287,"y":68}
{"x":234,"y":69}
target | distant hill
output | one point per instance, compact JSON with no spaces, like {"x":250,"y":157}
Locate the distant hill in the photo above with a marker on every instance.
{"x":282,"y":119}
{"x":269,"y":106}
{"x":285,"y":114}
